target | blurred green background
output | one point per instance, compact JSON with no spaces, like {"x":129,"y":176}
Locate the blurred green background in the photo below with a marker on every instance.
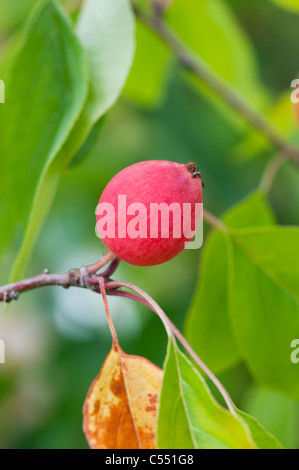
{"x":56,"y":340}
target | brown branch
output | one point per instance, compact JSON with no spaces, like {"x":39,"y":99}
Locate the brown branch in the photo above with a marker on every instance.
{"x":201,"y":70}
{"x":85,"y":277}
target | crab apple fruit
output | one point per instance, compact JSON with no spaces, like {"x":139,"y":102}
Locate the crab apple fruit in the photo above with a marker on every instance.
{"x":149,"y":210}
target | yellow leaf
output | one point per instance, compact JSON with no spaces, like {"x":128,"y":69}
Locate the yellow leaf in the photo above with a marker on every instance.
{"x":120,"y":410}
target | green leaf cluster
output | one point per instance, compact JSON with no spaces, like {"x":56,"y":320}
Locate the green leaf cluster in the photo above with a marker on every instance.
{"x":246,"y":304}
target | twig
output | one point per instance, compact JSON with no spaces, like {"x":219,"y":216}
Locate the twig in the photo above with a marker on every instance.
{"x":214,"y":222}
{"x":83,"y":277}
{"x":202,"y":71}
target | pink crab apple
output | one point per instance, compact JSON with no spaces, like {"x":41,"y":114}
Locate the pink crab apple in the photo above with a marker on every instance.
{"x":150,"y":210}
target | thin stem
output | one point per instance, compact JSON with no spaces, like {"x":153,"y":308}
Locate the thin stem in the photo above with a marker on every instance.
{"x":111,"y":325}
{"x":145,"y":299}
{"x":270,"y":172}
{"x":212,"y":220}
{"x":203,"y":72}
{"x":130,"y":296}
{"x":150,"y":301}
{"x":205,"y":369}
{"x":111,"y":268}
{"x":92,"y":269}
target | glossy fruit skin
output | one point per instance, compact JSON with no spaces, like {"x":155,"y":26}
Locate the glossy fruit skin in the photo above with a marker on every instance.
{"x":153,"y":181}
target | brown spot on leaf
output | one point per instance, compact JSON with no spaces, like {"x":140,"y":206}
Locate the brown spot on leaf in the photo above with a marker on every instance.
{"x":116,"y":387}
{"x":96,"y":407}
{"x":153,"y":399}
{"x":150,"y":408}
{"x":116,"y":411}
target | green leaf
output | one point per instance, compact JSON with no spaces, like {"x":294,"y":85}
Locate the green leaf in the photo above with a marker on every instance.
{"x":189,"y":416}
{"x":262,"y":438}
{"x":291,"y":5}
{"x":146,"y":85}
{"x":210,"y":29}
{"x":89,"y":143}
{"x":173,"y":425}
{"x":264,"y":303}
{"x":45,"y":94}
{"x":106,"y":31}
{"x":208,"y":326}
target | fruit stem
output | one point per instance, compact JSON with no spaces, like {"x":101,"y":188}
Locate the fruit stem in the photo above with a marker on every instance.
{"x":212,"y":220}
{"x":150,"y":302}
{"x":93,"y":268}
{"x":111,"y":325}
{"x":111,"y":268}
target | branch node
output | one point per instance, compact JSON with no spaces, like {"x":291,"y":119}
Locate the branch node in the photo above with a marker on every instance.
{"x":9,"y":296}
{"x":83,"y":275}
{"x":74,"y":277}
